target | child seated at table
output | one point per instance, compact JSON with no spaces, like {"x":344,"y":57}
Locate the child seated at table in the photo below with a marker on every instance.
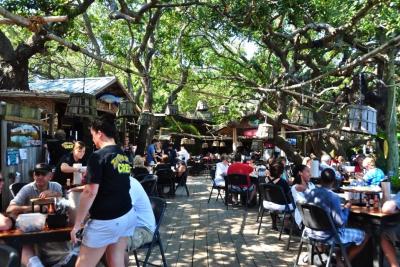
{"x":330,"y":202}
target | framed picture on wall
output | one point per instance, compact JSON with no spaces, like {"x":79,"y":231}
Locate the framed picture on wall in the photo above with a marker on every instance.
{"x":23,"y":135}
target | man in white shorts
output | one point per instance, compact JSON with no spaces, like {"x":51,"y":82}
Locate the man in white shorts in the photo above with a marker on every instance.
{"x":106,"y":197}
{"x":146,"y":222}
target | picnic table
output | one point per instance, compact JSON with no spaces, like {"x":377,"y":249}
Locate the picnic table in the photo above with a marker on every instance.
{"x":372,"y":220}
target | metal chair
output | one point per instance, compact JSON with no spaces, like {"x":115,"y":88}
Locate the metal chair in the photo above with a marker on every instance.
{"x":237,"y":180}
{"x":9,"y":257}
{"x":159,"y":206}
{"x":149,"y":183}
{"x":214,"y":186}
{"x":15,"y":187}
{"x":274,"y":194}
{"x":182,"y":182}
{"x":316,"y":218}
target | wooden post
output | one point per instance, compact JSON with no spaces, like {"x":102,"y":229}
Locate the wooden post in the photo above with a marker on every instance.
{"x":234,"y":139}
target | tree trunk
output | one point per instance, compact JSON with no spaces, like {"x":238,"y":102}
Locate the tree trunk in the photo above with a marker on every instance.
{"x":391,"y":115}
{"x":13,"y":67}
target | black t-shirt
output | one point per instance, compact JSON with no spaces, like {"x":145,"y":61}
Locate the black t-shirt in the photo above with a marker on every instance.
{"x":109,"y":167}
{"x":61,"y":177}
{"x":57,"y":149}
{"x":139,"y":173}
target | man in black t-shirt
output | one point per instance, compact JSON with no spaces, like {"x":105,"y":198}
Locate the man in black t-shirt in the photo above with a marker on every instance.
{"x":106,"y":197}
{"x":58,"y":147}
{"x":65,"y":168}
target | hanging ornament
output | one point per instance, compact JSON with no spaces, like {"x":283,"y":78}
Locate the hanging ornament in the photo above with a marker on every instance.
{"x":265,"y":130}
{"x":215,"y":143}
{"x":204,"y":145}
{"x":145,"y":118}
{"x":171,"y":110}
{"x":223,"y":110}
{"x":126,"y":109}
{"x":201,"y":105}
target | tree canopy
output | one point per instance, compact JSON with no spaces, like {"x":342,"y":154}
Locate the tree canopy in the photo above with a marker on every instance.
{"x":246,"y":55}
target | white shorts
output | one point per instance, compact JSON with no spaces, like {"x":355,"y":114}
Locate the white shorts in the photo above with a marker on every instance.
{"x":100,"y":233}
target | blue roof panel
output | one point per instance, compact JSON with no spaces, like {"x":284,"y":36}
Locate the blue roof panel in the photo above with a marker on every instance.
{"x":93,"y":85}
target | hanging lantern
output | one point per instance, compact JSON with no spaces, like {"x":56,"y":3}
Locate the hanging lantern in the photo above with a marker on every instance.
{"x":215,"y":143}
{"x":145,"y":118}
{"x":201,"y":105}
{"x":81,"y":105}
{"x":302,"y":116}
{"x":265,"y":130}
{"x":223,"y":110}
{"x":192,"y":141}
{"x":185,"y":141}
{"x":126,"y":109}
{"x":204,"y":145}
{"x":204,"y":115}
{"x":239,"y":144}
{"x":361,"y":118}
{"x":222,"y":144}
{"x":256,"y":145}
{"x":171,"y":110}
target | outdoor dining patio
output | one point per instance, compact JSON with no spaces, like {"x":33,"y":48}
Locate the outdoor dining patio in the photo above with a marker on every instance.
{"x":197,"y":233}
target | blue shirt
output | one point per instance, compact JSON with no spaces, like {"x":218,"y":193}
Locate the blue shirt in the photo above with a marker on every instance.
{"x":330,"y":202}
{"x":151,"y":149}
{"x":374,"y":176}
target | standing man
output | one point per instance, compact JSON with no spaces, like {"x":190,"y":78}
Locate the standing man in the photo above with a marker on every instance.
{"x":106,"y":197}
{"x":65,"y":168}
{"x":151,"y":153}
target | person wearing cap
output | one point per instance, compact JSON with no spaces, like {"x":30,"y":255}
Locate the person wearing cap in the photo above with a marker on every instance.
{"x":41,"y":187}
{"x":65,"y":167}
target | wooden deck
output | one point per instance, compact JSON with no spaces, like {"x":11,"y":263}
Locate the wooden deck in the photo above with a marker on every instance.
{"x":195,"y":233}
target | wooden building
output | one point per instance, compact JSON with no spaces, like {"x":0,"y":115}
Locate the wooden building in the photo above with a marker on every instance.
{"x":27,"y":118}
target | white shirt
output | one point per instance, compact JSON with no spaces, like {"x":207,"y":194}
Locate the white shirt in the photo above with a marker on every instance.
{"x":220,"y":173}
{"x":184,"y":154}
{"x":299,"y":196}
{"x":141,"y":204}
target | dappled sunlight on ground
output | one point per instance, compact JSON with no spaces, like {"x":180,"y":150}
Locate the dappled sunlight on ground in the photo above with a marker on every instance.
{"x":197,"y":233}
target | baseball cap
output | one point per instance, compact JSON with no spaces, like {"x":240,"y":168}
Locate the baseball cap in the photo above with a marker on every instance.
{"x":42,"y":168}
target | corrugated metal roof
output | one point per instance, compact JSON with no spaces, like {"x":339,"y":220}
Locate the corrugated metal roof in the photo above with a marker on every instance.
{"x":93,"y":85}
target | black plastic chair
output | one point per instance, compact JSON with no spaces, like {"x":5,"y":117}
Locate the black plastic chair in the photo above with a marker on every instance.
{"x":149,"y":183}
{"x":9,"y":257}
{"x":159,"y":206}
{"x":273,"y":193}
{"x":182,"y":182}
{"x":165,"y":178}
{"x":16,"y":187}
{"x":316,"y":218}
{"x":237,"y":180}
{"x":214,"y":186}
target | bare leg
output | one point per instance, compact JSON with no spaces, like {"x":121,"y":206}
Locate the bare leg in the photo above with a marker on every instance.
{"x":389,"y":252}
{"x":126,"y":259}
{"x":89,"y":257}
{"x":27,"y":253}
{"x":354,"y":250}
{"x":115,"y":253}
{"x":252,"y":195}
{"x":235,"y":198}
